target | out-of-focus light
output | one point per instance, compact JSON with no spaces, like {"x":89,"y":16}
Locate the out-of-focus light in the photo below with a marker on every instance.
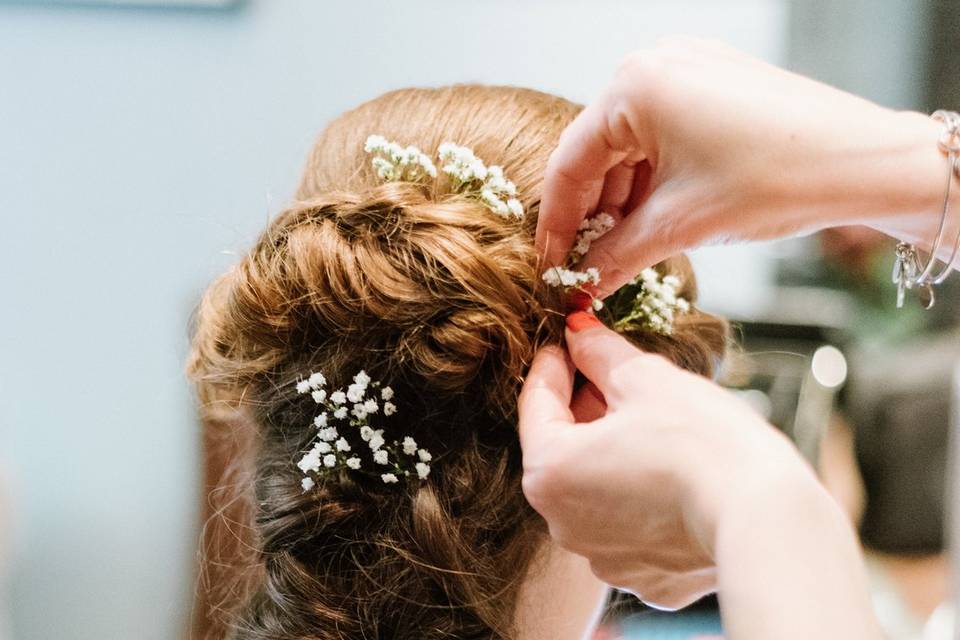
{"x":829,"y":367}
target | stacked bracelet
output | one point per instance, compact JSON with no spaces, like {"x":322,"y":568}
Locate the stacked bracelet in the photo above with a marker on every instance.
{"x":908,"y":270}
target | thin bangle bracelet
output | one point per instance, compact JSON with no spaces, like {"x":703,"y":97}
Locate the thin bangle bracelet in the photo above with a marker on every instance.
{"x":907,"y":265}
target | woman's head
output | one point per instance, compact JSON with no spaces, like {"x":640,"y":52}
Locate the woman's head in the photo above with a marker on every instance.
{"x":430,"y":292}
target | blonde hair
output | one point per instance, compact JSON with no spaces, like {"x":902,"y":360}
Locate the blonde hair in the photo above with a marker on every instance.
{"x":423,"y":288}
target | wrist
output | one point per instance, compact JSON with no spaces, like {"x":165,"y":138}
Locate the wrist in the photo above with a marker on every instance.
{"x":761,"y":478}
{"x":921,"y":189}
{"x":784,"y":552}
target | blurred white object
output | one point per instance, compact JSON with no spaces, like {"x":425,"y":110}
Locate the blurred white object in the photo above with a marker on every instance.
{"x":940,"y":624}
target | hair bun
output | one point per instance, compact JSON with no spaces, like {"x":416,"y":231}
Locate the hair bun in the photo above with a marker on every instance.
{"x":437,"y":288}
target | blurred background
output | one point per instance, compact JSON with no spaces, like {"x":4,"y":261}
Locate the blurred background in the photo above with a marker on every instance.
{"x":144,"y":143}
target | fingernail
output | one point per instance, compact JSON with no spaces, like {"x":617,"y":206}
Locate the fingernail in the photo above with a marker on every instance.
{"x":580,"y":320}
{"x":578,"y":300}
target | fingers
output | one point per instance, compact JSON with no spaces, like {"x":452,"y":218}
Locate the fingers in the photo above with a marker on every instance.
{"x":618,"y":369}
{"x":544,"y":404}
{"x":575,"y":178}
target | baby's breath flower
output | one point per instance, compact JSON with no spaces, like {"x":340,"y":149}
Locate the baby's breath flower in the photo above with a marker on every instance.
{"x":591,"y":229}
{"x":470,"y":176}
{"x":562,"y":277}
{"x":568,"y":278}
{"x":460,"y":164}
{"x":355,"y":392}
{"x":656,"y":304}
{"x":309,"y":462}
{"x":328,"y":448}
{"x":393,"y":162}
{"x":359,"y":411}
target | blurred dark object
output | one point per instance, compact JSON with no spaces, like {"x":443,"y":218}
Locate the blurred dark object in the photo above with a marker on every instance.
{"x":899,"y":403}
{"x":943,"y":58}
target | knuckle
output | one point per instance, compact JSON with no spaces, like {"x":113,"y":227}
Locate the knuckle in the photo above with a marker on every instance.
{"x":639,"y":68}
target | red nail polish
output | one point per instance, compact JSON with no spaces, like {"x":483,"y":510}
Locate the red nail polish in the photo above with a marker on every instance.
{"x":578,"y":300}
{"x":580,"y":320}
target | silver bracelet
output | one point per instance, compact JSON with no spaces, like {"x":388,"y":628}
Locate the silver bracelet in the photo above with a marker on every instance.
{"x":908,"y":270}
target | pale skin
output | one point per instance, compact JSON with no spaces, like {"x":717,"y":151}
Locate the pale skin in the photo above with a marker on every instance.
{"x":668,"y":486}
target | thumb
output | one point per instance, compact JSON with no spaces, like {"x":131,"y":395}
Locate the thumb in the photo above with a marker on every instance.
{"x":544,"y":404}
{"x":610,"y":361}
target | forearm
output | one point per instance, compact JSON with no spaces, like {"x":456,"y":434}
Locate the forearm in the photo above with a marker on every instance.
{"x":790,"y":568}
{"x":891,"y":177}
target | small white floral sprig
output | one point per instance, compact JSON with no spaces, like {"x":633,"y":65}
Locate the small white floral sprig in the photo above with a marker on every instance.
{"x":467,"y":173}
{"x":570,"y":279}
{"x":344,"y":415}
{"x":393,"y":162}
{"x":656,"y":304}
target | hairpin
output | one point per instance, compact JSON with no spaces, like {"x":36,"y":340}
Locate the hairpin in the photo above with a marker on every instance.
{"x":345,"y":417}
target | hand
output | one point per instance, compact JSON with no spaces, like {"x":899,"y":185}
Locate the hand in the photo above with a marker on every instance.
{"x":633,"y":472}
{"x":695,"y":143}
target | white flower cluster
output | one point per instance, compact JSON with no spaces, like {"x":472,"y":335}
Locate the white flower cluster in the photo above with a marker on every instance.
{"x":350,"y":410}
{"x":568,"y":278}
{"x":590,"y":229}
{"x":393,"y":162}
{"x":656,"y":304}
{"x":470,"y":175}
